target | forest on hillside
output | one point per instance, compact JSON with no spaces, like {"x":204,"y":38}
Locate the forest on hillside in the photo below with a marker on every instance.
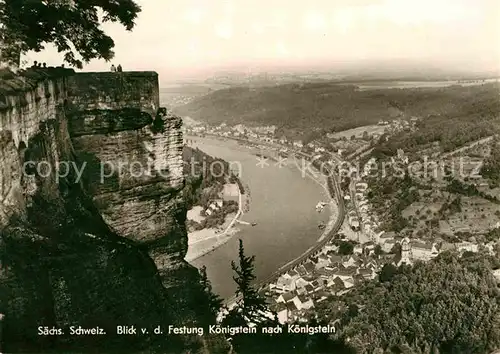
{"x":205,"y":176}
{"x":304,"y":108}
{"x":448,"y":305}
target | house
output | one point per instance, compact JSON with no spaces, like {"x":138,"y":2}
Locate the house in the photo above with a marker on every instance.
{"x":447,"y":246}
{"x":387,"y":235}
{"x":316,"y":285}
{"x":358,"y":279}
{"x":352,"y":213}
{"x":301,"y":291}
{"x":388,"y":245}
{"x":285,"y":284}
{"x":496,"y":274}
{"x":296,"y":301}
{"x":309,"y":266}
{"x":309,"y":288}
{"x":370,"y":245}
{"x":324,"y":273}
{"x":282,"y":312}
{"x":305,"y":302}
{"x":291,"y":309}
{"x":352,"y":260}
{"x":365,"y":273}
{"x":300,"y":283}
{"x":336,"y":259}
{"x":322,"y":262}
{"x":208,"y":212}
{"x":336,"y":285}
{"x":354,"y":222}
{"x":321,"y":295}
{"x":293,"y":274}
{"x":361,"y":186}
{"x":285,"y":297}
{"x":371,"y":264}
{"x":345,"y":273}
{"x":403,"y":258}
{"x":385,"y":258}
{"x":358,"y":249}
{"x":363,"y":204}
{"x":467,"y":246}
{"x":301,"y":270}
{"x":330,"y":247}
{"x":422,"y":251}
{"x":349,"y":282}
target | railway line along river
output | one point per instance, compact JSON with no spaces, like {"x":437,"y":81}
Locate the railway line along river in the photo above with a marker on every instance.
{"x":282,"y":206}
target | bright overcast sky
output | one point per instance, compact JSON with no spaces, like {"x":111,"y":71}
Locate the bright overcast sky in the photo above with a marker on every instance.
{"x":176,"y":37}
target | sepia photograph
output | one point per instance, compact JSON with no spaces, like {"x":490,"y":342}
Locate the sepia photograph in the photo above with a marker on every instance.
{"x":250,"y":176}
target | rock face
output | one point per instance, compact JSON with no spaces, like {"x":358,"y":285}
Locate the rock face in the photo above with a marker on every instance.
{"x":134,"y":150}
{"x":78,"y":252}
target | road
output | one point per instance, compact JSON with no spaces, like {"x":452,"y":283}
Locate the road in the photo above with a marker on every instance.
{"x":335,"y":192}
{"x":468,"y":146}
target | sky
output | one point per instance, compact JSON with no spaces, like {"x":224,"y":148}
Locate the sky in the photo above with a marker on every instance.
{"x":179,"y":38}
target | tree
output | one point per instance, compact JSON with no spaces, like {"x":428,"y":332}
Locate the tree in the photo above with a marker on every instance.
{"x":346,"y":248}
{"x":73,"y":26}
{"x":387,"y":272}
{"x":396,"y":249}
{"x":378,"y":250}
{"x":214,"y":301}
{"x":251,"y":303}
{"x":447,"y":305}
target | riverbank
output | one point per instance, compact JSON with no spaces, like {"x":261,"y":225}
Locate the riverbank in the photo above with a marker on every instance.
{"x":322,"y":180}
{"x":202,"y":242}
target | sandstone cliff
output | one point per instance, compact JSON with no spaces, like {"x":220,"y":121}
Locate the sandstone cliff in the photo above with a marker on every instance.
{"x":75,"y":251}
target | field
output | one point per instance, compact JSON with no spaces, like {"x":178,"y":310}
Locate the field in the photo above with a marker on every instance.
{"x":358,"y":132}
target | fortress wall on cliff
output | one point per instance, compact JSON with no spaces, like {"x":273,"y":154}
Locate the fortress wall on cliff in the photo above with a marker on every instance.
{"x":27,"y":101}
{"x":113,"y":91}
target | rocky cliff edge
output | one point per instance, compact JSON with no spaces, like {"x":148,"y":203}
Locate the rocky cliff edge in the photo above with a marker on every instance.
{"x":78,"y":249}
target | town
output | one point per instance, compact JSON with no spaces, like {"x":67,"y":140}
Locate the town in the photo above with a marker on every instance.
{"x":364,"y":245}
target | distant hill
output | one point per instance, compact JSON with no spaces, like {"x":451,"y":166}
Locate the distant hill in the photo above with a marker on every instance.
{"x":331,"y":106}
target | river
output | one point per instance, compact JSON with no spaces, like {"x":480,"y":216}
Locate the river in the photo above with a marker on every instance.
{"x":283,"y":206}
